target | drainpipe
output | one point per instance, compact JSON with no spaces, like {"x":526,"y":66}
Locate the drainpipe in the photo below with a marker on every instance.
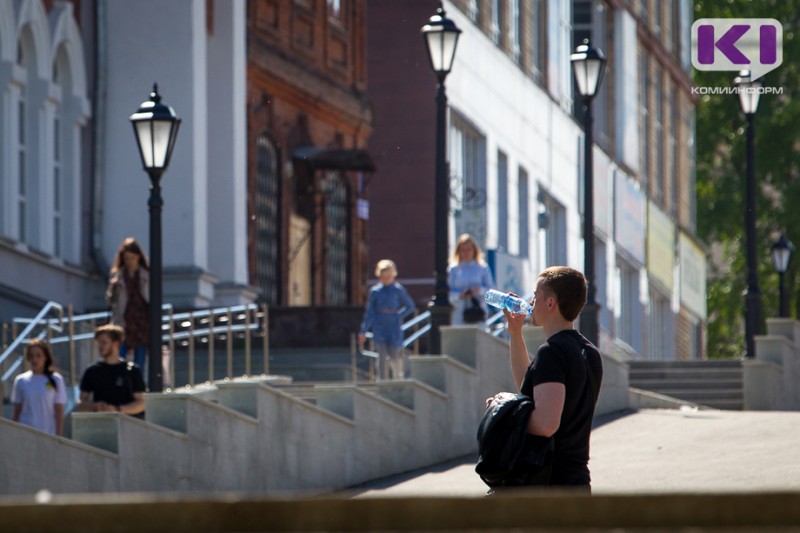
{"x":98,"y":141}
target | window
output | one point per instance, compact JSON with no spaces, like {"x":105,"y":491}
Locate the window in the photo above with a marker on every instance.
{"x":658,"y":110}
{"x":337,"y":243}
{"x":335,"y":8}
{"x":467,"y":151}
{"x":502,"y":201}
{"x":22,"y":177}
{"x":497,"y":21}
{"x":537,"y":40}
{"x":552,"y":232}
{"x":601,"y":282}
{"x":672,"y":154}
{"x":524,"y":219}
{"x":691,"y":157}
{"x":674,"y":29}
{"x":695,"y":338}
{"x":627,"y":317}
{"x":661,"y":328}
{"x":57,"y":184}
{"x":474,"y":10}
{"x":514,"y":28}
{"x":559,"y":35}
{"x":644,"y":117}
{"x":267,"y":217}
{"x":644,"y":10}
{"x":658,"y":18}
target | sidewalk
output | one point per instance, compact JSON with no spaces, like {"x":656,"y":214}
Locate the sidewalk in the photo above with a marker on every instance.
{"x":653,"y":451}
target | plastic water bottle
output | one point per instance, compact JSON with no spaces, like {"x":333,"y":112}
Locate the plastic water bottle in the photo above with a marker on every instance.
{"x":503,"y":300}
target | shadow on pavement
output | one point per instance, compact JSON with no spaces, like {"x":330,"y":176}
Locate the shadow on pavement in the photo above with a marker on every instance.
{"x":396,"y":479}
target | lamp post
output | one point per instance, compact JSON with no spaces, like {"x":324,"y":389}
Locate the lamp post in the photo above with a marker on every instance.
{"x":781,"y":255}
{"x":588,"y":66}
{"x":441,"y":37}
{"x":748,"y":97}
{"x":156,"y":127}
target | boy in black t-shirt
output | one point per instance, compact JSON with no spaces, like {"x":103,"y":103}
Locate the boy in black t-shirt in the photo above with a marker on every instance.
{"x":564,"y":377}
{"x":112,"y":384}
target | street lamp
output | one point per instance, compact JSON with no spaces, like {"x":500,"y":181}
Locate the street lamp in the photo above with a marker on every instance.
{"x":156,"y":127}
{"x":748,"y":97}
{"x":781,"y":255}
{"x":441,"y":38}
{"x":588,"y":66}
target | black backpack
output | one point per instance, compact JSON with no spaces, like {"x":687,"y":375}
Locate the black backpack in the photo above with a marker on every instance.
{"x":508,"y":456}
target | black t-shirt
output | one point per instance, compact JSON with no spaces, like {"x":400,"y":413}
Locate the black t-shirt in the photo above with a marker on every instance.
{"x":565,"y":358}
{"x":113,"y":384}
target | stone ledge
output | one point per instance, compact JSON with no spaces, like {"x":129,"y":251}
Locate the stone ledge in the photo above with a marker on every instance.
{"x":513,"y":511}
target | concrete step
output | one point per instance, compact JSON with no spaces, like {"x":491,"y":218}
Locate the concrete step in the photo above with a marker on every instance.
{"x":727,"y":405}
{"x":713,"y":383}
{"x":688,"y":384}
{"x":699,"y":396}
{"x":308,"y":391}
{"x":699,"y":364}
{"x":302,"y":364}
{"x":688,"y":373}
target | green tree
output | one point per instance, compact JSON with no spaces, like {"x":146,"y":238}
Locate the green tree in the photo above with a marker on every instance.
{"x":721,"y":175}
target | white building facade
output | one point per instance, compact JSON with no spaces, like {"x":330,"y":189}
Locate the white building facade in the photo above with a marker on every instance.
{"x":71,"y":181}
{"x":516,"y":157}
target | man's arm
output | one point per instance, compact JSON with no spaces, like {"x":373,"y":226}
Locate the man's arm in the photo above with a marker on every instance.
{"x":17,"y":412}
{"x":518,"y":352}
{"x":84,"y":405}
{"x":135,"y":407}
{"x":546,"y":417}
{"x":59,"y":414}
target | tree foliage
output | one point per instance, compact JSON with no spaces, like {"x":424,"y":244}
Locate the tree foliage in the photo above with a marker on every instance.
{"x":721,"y":175}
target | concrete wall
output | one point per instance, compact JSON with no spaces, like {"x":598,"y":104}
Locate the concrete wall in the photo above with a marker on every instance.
{"x":247,"y":435}
{"x":770,"y":380}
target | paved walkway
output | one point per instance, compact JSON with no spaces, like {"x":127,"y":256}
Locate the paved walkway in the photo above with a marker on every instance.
{"x":654,"y":451}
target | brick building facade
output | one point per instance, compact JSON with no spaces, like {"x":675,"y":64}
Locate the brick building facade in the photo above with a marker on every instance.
{"x":308,"y":121}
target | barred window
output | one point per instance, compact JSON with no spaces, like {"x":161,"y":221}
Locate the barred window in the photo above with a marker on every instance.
{"x":267,"y":213}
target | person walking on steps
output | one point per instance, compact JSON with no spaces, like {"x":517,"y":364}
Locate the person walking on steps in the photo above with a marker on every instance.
{"x":387,"y":304}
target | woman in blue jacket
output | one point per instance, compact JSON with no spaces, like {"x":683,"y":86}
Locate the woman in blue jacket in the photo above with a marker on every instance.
{"x":388,"y":303}
{"x":468,"y":276}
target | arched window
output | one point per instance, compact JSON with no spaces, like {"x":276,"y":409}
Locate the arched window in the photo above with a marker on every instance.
{"x":267,"y":217}
{"x":66,"y":112}
{"x":60,"y":75}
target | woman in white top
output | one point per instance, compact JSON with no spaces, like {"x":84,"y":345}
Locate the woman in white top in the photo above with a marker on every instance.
{"x":468,"y":276}
{"x":39,"y":394}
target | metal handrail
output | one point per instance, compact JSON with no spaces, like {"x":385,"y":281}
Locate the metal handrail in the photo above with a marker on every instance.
{"x":214,"y":323}
{"x":414,"y":321}
{"x":31,"y":326}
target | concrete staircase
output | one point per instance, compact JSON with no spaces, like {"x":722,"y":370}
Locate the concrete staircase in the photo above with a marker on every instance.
{"x":270,"y":434}
{"x":716,"y":384}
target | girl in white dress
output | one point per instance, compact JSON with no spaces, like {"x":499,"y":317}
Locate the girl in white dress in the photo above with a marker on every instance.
{"x":39,"y":394}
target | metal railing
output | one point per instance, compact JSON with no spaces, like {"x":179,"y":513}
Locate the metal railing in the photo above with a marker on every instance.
{"x":413,"y":330}
{"x":37,"y":328}
{"x":190,"y":336}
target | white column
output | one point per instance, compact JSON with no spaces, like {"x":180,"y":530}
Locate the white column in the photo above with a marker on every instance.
{"x":165,"y":42}
{"x":227,"y":152}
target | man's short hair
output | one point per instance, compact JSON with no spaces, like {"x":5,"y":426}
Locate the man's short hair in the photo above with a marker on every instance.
{"x":569,"y":288}
{"x":115,"y":333}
